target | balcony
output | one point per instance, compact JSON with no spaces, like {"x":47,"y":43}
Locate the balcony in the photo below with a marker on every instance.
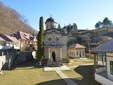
{"x":101,"y":76}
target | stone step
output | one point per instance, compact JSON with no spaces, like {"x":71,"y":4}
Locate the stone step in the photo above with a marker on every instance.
{"x":54,"y":63}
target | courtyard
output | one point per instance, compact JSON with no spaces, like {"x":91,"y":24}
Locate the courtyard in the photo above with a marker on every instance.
{"x":27,"y":74}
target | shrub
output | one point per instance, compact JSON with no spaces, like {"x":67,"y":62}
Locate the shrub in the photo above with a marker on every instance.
{"x":66,"y":60}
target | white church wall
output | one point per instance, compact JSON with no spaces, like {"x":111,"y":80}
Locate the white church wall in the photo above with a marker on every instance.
{"x":50,"y":25}
{"x":110,"y":76}
{"x":64,"y":51}
{"x":46,"y":53}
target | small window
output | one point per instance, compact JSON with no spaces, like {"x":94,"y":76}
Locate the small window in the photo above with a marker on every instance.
{"x":111,"y":67}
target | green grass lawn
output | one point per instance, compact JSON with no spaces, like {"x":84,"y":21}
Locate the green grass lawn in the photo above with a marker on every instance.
{"x":82,"y":75}
{"x":29,"y":76}
{"x":78,"y":61}
{"x":26,"y":74}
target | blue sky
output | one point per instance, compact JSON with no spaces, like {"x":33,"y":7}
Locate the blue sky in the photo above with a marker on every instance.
{"x":85,"y":13}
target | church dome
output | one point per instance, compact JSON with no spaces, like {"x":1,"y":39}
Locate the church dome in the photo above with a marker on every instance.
{"x":50,"y":20}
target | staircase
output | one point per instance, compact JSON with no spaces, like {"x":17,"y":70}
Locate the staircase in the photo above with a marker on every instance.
{"x":54,"y":64}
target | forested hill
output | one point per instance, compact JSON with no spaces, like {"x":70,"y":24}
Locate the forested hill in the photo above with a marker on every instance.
{"x":11,"y":21}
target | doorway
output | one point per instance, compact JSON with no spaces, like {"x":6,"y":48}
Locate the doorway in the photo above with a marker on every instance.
{"x":54,"y":56}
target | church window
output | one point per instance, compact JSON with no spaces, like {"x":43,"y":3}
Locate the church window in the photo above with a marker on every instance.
{"x":57,"y":38}
{"x":49,"y":38}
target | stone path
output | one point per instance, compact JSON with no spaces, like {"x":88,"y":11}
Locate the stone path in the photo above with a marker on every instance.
{"x":56,"y":68}
{"x":61,"y":74}
{"x":66,"y":78}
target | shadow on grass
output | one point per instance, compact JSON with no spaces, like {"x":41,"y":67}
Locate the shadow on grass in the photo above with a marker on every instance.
{"x":53,"y":82}
{"x":87,"y":72}
{"x":28,"y":64}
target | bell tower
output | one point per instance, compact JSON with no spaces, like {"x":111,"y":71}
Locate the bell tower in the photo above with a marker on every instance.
{"x":50,"y":23}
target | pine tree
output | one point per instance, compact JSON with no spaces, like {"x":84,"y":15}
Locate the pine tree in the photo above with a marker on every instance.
{"x":59,"y":27}
{"x":40,"y":39}
{"x":106,"y":21}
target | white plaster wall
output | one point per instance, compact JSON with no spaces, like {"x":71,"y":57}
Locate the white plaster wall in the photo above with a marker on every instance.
{"x":53,"y":38}
{"x":103,"y":80}
{"x":46,"y":53}
{"x":110,"y":76}
{"x":49,"y":24}
{"x":2,"y":61}
{"x":57,"y":53}
{"x":64,"y":51}
{"x":73,"y":52}
{"x":62,"y":40}
{"x":102,"y":69}
{"x":80,"y":51}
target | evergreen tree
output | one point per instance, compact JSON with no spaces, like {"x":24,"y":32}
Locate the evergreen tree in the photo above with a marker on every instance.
{"x":74,"y":27}
{"x":59,"y":27}
{"x":40,"y":39}
{"x":106,"y":21}
{"x":98,"y":24}
{"x":69,"y":27}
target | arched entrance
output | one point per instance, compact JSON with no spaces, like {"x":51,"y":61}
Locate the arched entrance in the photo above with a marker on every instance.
{"x":54,"y":56}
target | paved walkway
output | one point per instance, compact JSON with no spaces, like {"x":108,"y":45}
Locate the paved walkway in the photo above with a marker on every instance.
{"x":56,"y":68}
{"x":66,"y":78}
{"x":61,"y":74}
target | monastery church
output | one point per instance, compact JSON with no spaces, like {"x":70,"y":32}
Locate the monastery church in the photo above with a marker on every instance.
{"x":55,"y":42}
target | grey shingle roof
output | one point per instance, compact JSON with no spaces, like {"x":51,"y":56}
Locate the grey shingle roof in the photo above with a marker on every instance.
{"x":105,"y":47}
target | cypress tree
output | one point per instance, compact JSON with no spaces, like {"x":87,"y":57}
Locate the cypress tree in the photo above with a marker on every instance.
{"x":40,"y":39}
{"x":59,"y":27}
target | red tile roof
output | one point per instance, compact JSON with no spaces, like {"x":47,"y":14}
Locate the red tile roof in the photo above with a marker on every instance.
{"x":1,"y":39}
{"x":8,"y":38}
{"x":76,"y":46}
{"x":23,"y":36}
{"x":12,"y":38}
{"x":105,"y":47}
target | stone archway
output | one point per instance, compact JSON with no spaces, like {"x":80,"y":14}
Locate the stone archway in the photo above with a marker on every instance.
{"x":54,"y":56}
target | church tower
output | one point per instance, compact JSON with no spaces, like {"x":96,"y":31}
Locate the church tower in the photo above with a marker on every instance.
{"x":55,"y":44}
{"x":50,"y":23}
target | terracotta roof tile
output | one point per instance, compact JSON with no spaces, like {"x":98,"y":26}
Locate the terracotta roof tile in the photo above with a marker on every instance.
{"x":76,"y":46}
{"x":8,"y":38}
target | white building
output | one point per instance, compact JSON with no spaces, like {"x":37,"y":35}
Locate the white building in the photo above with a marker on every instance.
{"x":104,"y":71}
{"x":55,"y":43}
{"x":76,"y":51}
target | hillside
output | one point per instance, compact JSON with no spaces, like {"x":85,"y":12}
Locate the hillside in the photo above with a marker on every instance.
{"x":92,"y":37}
{"x":11,"y":21}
